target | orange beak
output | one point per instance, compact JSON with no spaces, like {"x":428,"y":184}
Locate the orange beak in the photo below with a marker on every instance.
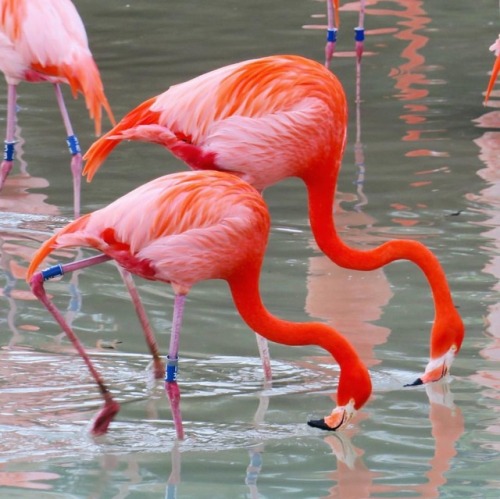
{"x":496,"y":69}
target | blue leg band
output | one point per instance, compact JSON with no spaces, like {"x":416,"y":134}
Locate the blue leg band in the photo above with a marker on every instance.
{"x":359,"y":34}
{"x":8,"y":151}
{"x":171,"y":370}
{"x":331,"y":35}
{"x":52,"y":272}
{"x":73,"y":145}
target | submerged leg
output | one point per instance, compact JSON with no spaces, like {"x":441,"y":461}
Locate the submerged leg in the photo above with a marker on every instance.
{"x":74,"y":149}
{"x":171,"y":387}
{"x":158,"y":366}
{"x":8,"y":151}
{"x":111,"y":407}
{"x":263,"y":346}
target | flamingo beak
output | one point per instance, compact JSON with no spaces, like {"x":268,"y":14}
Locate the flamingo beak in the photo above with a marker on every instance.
{"x":437,"y":368}
{"x":339,"y":418}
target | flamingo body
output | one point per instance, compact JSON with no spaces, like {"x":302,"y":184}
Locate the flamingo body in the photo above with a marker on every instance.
{"x":171,"y":230}
{"x":265,"y":120}
{"x":45,"y":40}
{"x":192,"y":226}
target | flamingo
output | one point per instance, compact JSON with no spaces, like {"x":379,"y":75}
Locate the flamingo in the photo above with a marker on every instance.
{"x":268,"y":119}
{"x":45,"y":41}
{"x":194,"y":226}
{"x":496,"y":68}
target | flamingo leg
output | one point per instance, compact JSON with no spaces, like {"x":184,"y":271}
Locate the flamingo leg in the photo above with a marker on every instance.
{"x":265,"y":357}
{"x":158,"y":367}
{"x":331,"y":32}
{"x":8,"y":154}
{"x":74,"y":149}
{"x":359,"y":32}
{"x":111,"y":407}
{"x":171,"y":387}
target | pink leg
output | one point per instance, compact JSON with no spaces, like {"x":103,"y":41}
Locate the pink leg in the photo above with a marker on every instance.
{"x":111,"y":407}
{"x":171,"y":386}
{"x":159,"y":368}
{"x":331,"y":34}
{"x":173,"y":351}
{"x":359,"y":32}
{"x":74,"y":149}
{"x":8,"y":156}
{"x":265,"y":357}
{"x":174,"y":397}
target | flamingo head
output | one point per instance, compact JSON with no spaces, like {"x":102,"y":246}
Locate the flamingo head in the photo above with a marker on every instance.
{"x":338,"y":419}
{"x":446,"y":340}
{"x":437,"y":368}
{"x":355,"y":388}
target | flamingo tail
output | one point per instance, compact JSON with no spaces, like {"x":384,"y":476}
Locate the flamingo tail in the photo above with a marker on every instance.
{"x":101,"y":148}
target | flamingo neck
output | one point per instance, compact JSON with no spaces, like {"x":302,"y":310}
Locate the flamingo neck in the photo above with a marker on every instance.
{"x":354,"y":377}
{"x":447,"y":322}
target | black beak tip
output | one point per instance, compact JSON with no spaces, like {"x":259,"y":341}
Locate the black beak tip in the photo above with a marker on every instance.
{"x":319,"y":423}
{"x":417,"y":382}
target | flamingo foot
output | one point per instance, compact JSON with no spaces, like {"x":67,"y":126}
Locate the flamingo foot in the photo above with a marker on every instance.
{"x":5,"y":169}
{"x":104,"y":417}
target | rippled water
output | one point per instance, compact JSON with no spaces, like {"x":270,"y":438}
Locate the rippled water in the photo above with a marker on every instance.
{"x":426,"y":166}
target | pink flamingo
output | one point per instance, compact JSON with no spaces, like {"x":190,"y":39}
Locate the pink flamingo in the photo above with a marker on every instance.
{"x":194,"y":226}
{"x":45,"y":40}
{"x":496,"y":68}
{"x":268,"y":119}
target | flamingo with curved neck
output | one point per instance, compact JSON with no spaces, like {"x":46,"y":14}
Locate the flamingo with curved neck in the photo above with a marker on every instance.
{"x":265,"y":120}
{"x":193,"y":226}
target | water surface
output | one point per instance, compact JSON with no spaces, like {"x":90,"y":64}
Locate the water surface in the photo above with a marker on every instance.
{"x":422,"y":162}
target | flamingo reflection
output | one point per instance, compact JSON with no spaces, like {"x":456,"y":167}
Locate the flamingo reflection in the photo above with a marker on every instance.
{"x":489,"y":202}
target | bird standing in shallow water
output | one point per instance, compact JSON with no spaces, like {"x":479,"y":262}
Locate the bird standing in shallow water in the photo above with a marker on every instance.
{"x":194,"y":226}
{"x":268,"y":119}
{"x":45,"y":41}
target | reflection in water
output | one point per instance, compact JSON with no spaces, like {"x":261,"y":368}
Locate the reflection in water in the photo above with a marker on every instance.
{"x":489,"y":202}
{"x":350,"y":300}
{"x":32,"y":480}
{"x":16,"y":196}
{"x":354,"y":473}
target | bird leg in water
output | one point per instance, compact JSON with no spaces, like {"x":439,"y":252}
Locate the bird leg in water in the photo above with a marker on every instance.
{"x":158,"y":366}
{"x":171,"y":386}
{"x":174,"y":398}
{"x":8,"y":151}
{"x":74,"y":149}
{"x":111,"y":407}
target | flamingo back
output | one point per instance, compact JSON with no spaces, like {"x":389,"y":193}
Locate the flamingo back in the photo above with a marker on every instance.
{"x":181,"y":228}
{"x":263,"y":120}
